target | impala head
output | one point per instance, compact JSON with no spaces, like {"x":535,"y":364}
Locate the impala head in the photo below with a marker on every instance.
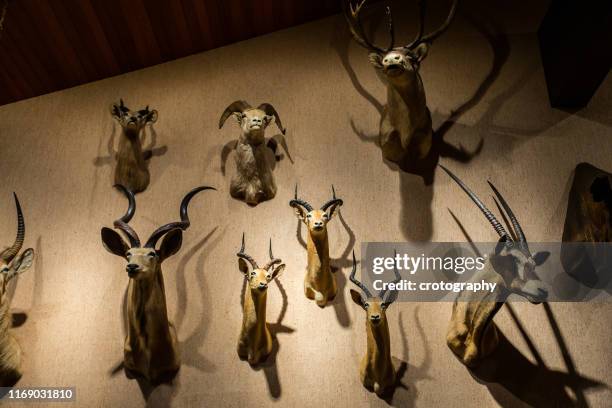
{"x":132,"y":122}
{"x":11,"y":263}
{"x":259,"y":278}
{"x":399,"y":64}
{"x":512,"y":258}
{"x":375,"y":306}
{"x":144,"y":261}
{"x":315,"y":220}
{"x":252,"y":121}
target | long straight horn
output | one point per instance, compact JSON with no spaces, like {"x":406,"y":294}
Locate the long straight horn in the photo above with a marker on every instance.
{"x":273,"y":260}
{"x":10,"y":253}
{"x":234,"y":107}
{"x":488,"y":214}
{"x":270,"y":111}
{"x":122,"y":223}
{"x":355,"y":281}
{"x":183,"y":224}
{"x":299,"y":202}
{"x":243,"y":255}
{"x":518,"y":231}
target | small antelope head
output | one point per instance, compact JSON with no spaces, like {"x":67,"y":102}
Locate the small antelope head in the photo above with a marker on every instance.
{"x":259,"y":278}
{"x":11,"y":264}
{"x":132,"y":122}
{"x":512,"y":259}
{"x":399,"y":64}
{"x":252,"y":121}
{"x":315,"y":220}
{"x":144,"y":261}
{"x":375,"y":306}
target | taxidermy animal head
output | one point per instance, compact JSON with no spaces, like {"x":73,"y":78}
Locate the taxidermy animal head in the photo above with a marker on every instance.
{"x":144,"y":261}
{"x":374,"y":306}
{"x":132,"y":122}
{"x":11,"y":263}
{"x":315,"y":220}
{"x":259,"y":278}
{"x":512,"y":258}
{"x":399,"y":64}
{"x":252,"y":121}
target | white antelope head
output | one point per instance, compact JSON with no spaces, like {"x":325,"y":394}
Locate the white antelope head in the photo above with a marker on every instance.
{"x":259,"y":278}
{"x":375,"y":306}
{"x":315,"y":220}
{"x":252,"y":121}
{"x":11,"y":264}
{"x":512,"y":259}
{"x":399,"y":64}
{"x":132,"y":122}
{"x":144,"y":261}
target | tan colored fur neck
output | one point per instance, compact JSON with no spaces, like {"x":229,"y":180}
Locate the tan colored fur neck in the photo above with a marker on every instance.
{"x":318,"y":253}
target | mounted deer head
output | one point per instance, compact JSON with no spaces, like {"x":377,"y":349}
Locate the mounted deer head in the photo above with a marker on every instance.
{"x":315,"y":220}
{"x":132,"y":122}
{"x":252,"y":121}
{"x":397,"y":63}
{"x":512,"y":258}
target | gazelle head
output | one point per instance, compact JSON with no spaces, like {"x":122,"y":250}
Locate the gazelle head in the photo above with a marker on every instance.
{"x":375,"y":306}
{"x":512,"y":258}
{"x":144,"y":261}
{"x":252,"y":121}
{"x":259,"y":278}
{"x":132,"y":122}
{"x":399,"y":64}
{"x":315,"y":220}
{"x":11,"y":263}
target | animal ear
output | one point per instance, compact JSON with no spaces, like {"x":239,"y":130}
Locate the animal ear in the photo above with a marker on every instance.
{"x":300,"y":212}
{"x":420,"y":52}
{"x":23,"y":263}
{"x":541,"y":257}
{"x":375,"y":59}
{"x":113,"y":242}
{"x":115,"y":111}
{"x":243,"y":266}
{"x":152,"y":116}
{"x":357,"y":298}
{"x":171,"y":244}
{"x":278,"y":271}
{"x":332,"y":210}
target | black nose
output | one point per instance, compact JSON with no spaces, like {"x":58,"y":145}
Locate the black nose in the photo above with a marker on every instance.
{"x":131,"y":267}
{"x":375,"y":317}
{"x":318,"y":223}
{"x":263,"y":286}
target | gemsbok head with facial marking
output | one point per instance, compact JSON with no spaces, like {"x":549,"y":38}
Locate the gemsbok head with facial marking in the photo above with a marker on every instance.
{"x":150,"y":348}
{"x":405,"y":129}
{"x":319,"y":282}
{"x":253,"y":181}
{"x":12,"y":264}
{"x":472,"y":334}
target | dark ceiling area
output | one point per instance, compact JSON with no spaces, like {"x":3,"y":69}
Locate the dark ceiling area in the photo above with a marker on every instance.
{"x":48,"y":45}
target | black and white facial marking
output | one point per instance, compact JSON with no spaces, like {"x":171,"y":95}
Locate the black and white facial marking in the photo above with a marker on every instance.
{"x":259,"y":278}
{"x":132,"y":121}
{"x":400,"y":61}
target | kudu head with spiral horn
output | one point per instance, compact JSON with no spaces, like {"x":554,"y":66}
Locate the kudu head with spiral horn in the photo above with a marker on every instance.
{"x":11,"y":263}
{"x":398,"y":63}
{"x":252,"y":121}
{"x":144,"y":261}
{"x":512,"y":259}
{"x":315,"y":219}
{"x":259,"y":278}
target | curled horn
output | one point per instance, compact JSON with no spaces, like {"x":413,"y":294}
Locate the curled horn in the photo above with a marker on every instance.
{"x":182,"y":224}
{"x":520,"y":235}
{"x":501,"y":231}
{"x":273,"y":260}
{"x":243,"y":255}
{"x":270,"y":111}
{"x":9,"y":253}
{"x":355,"y":281}
{"x":393,"y":296}
{"x":333,"y":201}
{"x":236,"y":106}
{"x":122,"y":223}
{"x":296,"y":202}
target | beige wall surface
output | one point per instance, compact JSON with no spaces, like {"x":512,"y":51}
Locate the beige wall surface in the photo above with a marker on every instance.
{"x":55,"y":156}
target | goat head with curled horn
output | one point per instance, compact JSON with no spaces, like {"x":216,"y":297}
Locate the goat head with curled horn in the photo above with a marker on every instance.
{"x":376,"y":371}
{"x":255,"y":341}
{"x":150,"y":349}
{"x":12,"y":264}
{"x":405,"y":128}
{"x":253,"y":181}
{"x":319,"y":283}
{"x":472,"y":334}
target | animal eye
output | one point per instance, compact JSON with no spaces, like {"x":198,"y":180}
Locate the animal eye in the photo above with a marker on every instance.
{"x":253,"y":273}
{"x":309,"y":216}
{"x":151,"y":254}
{"x":325,"y":216}
{"x":4,"y":270}
{"x":128,"y":255}
{"x":366,"y":305}
{"x":268,"y":276}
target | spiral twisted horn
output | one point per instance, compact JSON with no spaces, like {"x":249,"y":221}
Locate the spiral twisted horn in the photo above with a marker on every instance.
{"x":122,"y":223}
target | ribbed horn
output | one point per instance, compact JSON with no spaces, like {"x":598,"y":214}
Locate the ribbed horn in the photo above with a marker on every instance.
{"x":355,"y":281}
{"x":270,"y":111}
{"x":10,"y":253}
{"x":243,"y":255}
{"x":236,"y":106}
{"x":333,"y":201}
{"x":273,"y":260}
{"x":296,"y":201}
{"x":518,"y":231}
{"x":122,"y":223}
{"x":398,"y":277}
